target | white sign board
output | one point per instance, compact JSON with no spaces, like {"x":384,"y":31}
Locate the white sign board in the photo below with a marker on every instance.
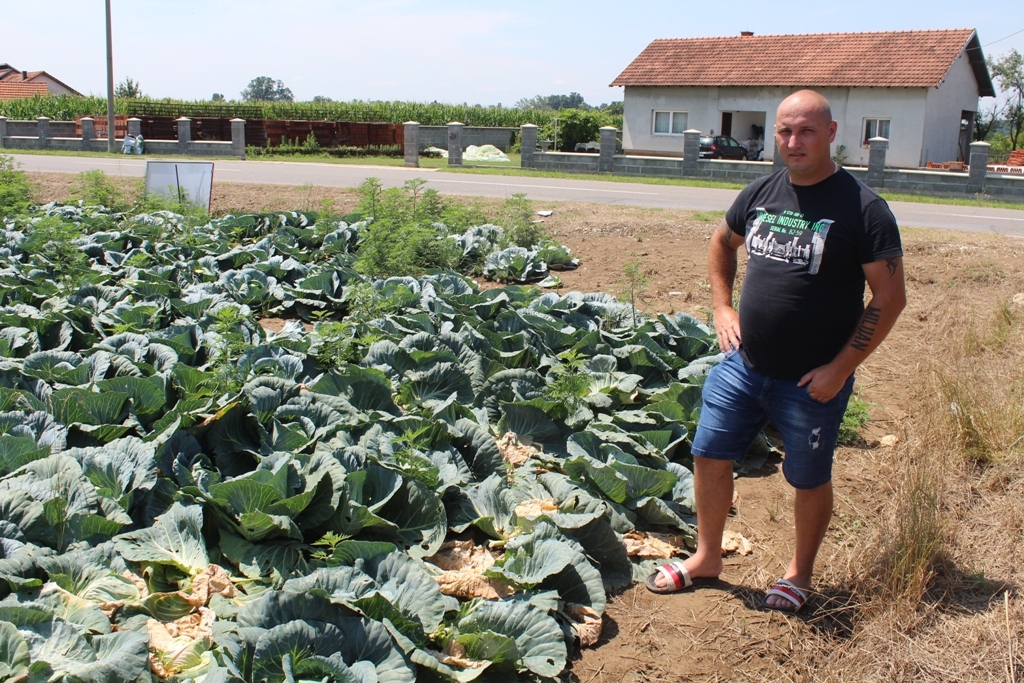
{"x":181,"y":181}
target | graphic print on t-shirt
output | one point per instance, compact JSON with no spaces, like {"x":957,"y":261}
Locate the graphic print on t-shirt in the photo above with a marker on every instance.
{"x":789,"y":237}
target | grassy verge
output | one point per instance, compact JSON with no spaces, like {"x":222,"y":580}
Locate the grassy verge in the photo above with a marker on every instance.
{"x":986,"y":202}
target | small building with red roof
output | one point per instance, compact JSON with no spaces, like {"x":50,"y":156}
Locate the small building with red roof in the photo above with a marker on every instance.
{"x":51,"y":85}
{"x":918,"y":89}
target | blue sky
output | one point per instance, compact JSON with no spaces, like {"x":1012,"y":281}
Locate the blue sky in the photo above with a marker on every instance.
{"x":420,"y":50}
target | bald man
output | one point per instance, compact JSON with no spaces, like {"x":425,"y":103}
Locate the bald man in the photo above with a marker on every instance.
{"x":814,"y":235}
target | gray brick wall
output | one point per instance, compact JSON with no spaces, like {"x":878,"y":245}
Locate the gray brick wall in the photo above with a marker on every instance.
{"x":437,"y":136}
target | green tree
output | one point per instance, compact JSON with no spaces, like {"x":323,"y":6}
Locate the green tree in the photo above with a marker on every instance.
{"x":615,"y":108}
{"x":266,"y":89}
{"x":217,"y":97}
{"x":322,"y":99}
{"x":576,"y":125}
{"x":987,"y":120}
{"x":573,"y":100}
{"x":128,"y":88}
{"x":1009,"y":72}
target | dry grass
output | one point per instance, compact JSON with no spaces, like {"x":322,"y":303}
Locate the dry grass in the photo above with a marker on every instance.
{"x":935,"y":593}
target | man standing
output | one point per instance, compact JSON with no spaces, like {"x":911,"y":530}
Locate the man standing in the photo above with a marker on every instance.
{"x":814,"y":235}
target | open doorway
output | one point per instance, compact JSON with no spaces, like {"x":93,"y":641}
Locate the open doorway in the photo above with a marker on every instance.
{"x":748,"y":129}
{"x":963,"y":152}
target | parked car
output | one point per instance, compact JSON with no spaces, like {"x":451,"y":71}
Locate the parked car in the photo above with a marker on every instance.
{"x":721,"y":147}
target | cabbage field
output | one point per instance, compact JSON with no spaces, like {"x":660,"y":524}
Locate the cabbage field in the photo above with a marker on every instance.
{"x":412,"y":479}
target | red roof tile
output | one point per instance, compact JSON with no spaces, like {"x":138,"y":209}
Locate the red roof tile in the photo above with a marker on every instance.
{"x":893,"y":59}
{"x":19,"y":90}
{"x":15,"y":76}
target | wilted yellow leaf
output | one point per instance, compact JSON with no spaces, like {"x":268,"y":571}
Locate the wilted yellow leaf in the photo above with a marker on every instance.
{"x":514,"y":451}
{"x":733,"y":542}
{"x":587,"y":623}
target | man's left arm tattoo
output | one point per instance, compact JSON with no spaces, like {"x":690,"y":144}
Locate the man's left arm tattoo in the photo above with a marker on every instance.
{"x":891,"y":264}
{"x":866,"y":330}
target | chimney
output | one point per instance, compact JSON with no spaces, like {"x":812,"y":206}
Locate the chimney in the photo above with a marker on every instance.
{"x":24,"y":75}
{"x":746,"y":34}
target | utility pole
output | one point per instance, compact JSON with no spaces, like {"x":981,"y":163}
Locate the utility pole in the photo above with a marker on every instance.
{"x":110,"y":85}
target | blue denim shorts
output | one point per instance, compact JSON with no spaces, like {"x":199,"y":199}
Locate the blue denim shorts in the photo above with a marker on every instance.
{"x":738,"y":402}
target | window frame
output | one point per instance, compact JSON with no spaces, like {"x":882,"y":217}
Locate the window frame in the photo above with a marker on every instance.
{"x":671,"y":121}
{"x":866,"y":139}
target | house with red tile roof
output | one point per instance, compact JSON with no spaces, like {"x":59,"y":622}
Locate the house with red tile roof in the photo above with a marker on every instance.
{"x":8,"y":74}
{"x":18,"y":91}
{"x":918,"y":89}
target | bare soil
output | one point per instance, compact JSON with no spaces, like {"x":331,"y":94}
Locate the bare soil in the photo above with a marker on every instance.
{"x":963,"y":327}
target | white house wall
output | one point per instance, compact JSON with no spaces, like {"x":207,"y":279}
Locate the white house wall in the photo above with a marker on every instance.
{"x":53,"y":86}
{"x":905,"y":107}
{"x":957,"y":93}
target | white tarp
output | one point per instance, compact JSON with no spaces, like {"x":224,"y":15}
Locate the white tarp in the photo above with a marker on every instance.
{"x":484,"y":153}
{"x":474,"y":153}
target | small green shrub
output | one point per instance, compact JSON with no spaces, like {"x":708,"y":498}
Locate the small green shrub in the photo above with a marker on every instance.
{"x":403,"y":238}
{"x":51,"y":243}
{"x":314,"y":148}
{"x":393,"y":249}
{"x":854,"y":419}
{"x":94,"y":188}
{"x":516,"y":216}
{"x":15,"y":191}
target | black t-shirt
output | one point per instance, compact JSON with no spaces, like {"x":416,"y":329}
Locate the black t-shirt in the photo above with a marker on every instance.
{"x":803,"y":294}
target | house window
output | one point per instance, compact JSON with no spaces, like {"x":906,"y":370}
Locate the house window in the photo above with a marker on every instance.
{"x":669,"y":122}
{"x":875,"y":128}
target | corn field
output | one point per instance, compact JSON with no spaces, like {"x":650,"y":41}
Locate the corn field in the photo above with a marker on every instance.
{"x":67,"y":108}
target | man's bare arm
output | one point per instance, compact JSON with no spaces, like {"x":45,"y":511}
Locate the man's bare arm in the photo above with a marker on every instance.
{"x":888,"y":298}
{"x":722,"y":264}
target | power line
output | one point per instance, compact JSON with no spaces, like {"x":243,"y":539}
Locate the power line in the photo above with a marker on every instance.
{"x":1004,"y":38}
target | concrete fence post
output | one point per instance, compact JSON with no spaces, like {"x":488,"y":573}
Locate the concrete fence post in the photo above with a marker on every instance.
{"x":691,"y":151}
{"x":609,"y":141}
{"x":88,"y":133}
{"x":455,"y":143}
{"x":412,"y":144}
{"x":3,"y":130}
{"x":43,"y":124}
{"x":184,"y":134}
{"x":238,"y":138}
{"x":527,"y":145}
{"x":134,"y":127}
{"x":777,"y":162}
{"x":979,"y":167}
{"x":876,"y":162}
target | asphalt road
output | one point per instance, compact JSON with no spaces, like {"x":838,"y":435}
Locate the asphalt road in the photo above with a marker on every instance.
{"x":966,"y":218}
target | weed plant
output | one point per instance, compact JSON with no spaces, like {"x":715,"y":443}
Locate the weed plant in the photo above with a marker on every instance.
{"x":94,"y":188}
{"x":854,"y":419}
{"x":50,"y":242}
{"x":516,"y":216}
{"x":407,"y":234}
{"x":15,"y":190}
{"x":310,"y":147}
{"x":634,"y":282}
